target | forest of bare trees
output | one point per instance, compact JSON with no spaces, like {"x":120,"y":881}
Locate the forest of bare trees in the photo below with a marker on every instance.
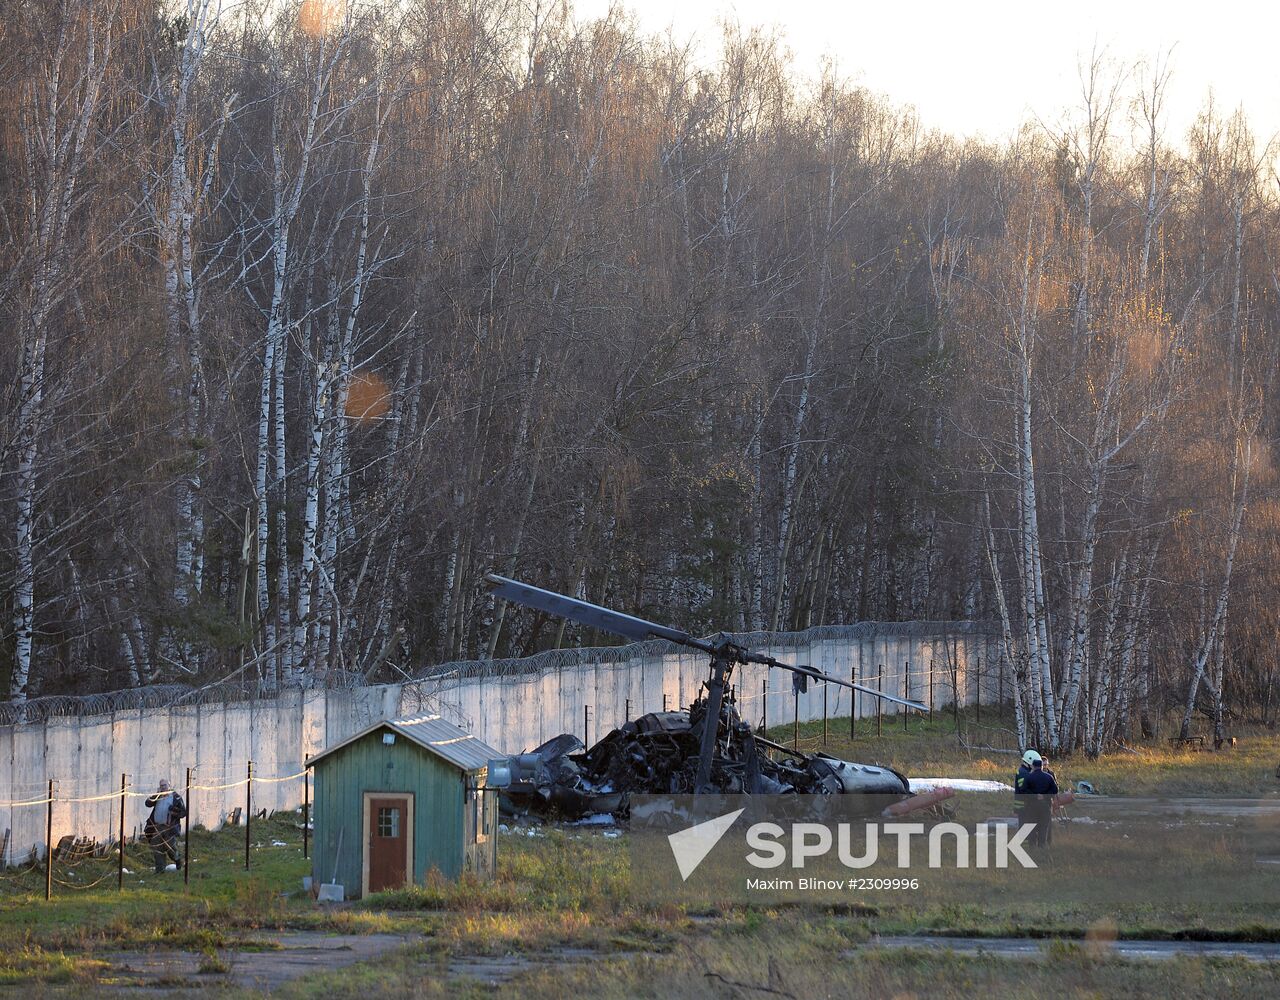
{"x":314,"y":313}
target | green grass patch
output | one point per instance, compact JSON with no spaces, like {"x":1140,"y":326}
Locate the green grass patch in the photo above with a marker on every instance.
{"x":31,"y":963}
{"x":564,"y":891}
{"x":222,"y":904}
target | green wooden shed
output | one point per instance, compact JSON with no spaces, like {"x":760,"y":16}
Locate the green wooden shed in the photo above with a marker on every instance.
{"x":399,"y":799}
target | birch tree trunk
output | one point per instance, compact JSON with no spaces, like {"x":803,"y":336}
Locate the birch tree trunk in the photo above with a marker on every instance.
{"x":338,"y":519}
{"x":286,"y":194}
{"x":62,"y":108}
{"x":1213,"y":634}
{"x":302,"y":655}
{"x":274,"y":332}
{"x":284,"y":658}
{"x":187,"y":187}
{"x":831,"y":99}
{"x":403,"y":431}
{"x":1033,"y":603}
{"x":1014,"y":652}
{"x":1151,"y":101}
{"x":1081,"y":601}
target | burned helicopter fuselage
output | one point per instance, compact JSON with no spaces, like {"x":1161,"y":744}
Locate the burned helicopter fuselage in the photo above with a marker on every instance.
{"x":659,"y":753}
{"x":675,"y":752}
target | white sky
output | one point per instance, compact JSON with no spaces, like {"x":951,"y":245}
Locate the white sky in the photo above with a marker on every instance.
{"x":980,"y":67}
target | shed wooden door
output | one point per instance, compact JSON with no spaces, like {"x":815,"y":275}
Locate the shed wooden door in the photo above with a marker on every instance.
{"x":388,"y":842}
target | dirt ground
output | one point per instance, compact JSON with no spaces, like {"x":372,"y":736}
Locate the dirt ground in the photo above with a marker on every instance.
{"x":272,"y":960}
{"x":563,"y":917}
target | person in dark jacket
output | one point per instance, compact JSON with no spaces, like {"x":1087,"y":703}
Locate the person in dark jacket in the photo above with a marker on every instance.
{"x":1024,"y":769}
{"x":1039,"y":788}
{"x":167,"y":813}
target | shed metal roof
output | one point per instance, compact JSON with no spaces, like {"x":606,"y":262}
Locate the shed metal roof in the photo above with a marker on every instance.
{"x":452,"y":743}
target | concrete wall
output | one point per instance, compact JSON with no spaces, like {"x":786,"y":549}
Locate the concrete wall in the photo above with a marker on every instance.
{"x":513,"y":711}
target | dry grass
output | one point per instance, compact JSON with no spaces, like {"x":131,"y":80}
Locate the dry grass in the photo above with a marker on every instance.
{"x":791,"y":955}
{"x":930,"y":748}
{"x":568,"y":889}
{"x":223,"y":904}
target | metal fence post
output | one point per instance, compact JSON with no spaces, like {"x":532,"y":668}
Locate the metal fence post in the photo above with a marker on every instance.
{"x":824,"y":714}
{"x":977,"y":695}
{"x":906,"y":692}
{"x":764,"y":702}
{"x":1000,"y":683}
{"x":48,"y":846}
{"x":879,"y":701}
{"x":854,"y":695}
{"x":930,"y":689}
{"x":186,"y":837}
{"x":586,"y":725}
{"x":955,"y":688}
{"x":120,"y":868}
{"x":248,"y":811}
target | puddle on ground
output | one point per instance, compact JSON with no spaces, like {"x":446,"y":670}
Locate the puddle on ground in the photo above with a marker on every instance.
{"x":288,"y":955}
{"x":1035,"y":948}
{"x":495,"y":970}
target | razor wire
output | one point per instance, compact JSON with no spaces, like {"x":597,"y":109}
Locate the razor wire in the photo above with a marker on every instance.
{"x":167,"y":696}
{"x":560,"y":659}
{"x":71,"y":866}
{"x":70,"y":860}
{"x":91,"y":885}
{"x":608,"y":679}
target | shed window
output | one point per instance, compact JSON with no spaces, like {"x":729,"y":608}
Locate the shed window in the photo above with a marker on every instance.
{"x":388,"y":822}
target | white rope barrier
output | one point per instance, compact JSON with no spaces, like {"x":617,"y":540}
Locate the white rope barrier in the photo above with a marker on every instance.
{"x":286,"y":777}
{"x":32,"y":802}
{"x":129,"y":793}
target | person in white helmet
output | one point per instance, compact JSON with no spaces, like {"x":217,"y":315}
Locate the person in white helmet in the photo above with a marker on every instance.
{"x":1019,"y":783}
{"x":1038,"y":790}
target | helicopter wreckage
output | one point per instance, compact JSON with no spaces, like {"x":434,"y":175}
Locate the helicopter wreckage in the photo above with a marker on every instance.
{"x":680,"y":752}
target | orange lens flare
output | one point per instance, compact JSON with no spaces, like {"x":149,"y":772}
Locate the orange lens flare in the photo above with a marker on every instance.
{"x":368,"y":398}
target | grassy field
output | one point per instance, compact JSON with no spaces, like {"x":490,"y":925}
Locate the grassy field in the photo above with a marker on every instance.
{"x":562,"y":917}
{"x":930,"y":748}
{"x":796,"y":960}
{"x":60,"y":941}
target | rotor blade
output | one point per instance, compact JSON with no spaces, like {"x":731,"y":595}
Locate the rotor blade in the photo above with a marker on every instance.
{"x":591,"y":615}
{"x":630,"y":627}
{"x":818,"y":675}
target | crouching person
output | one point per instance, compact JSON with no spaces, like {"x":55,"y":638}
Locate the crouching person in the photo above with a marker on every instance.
{"x":167,"y":812}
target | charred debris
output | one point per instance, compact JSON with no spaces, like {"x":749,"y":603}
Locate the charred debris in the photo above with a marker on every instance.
{"x":667,"y":753}
{"x":678,"y":752}
{"x":658,"y":754}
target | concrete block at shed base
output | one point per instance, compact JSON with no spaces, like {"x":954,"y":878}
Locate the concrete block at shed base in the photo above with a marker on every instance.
{"x":331,"y":893}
